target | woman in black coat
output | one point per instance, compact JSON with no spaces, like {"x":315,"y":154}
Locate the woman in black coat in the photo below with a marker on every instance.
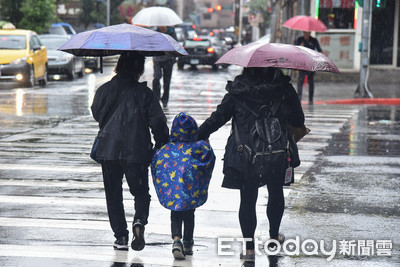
{"x":254,"y":88}
{"x":126,"y":111}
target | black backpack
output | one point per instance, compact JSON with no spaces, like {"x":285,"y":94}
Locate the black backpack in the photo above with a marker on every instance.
{"x":267,"y":151}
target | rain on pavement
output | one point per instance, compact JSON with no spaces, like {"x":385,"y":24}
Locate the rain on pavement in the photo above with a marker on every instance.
{"x":52,"y":201}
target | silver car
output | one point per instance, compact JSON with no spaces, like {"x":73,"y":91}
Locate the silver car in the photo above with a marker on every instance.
{"x":60,"y":62}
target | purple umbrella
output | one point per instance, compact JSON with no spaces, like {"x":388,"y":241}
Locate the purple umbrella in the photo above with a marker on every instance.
{"x":121,"y":38}
{"x":278,"y":55}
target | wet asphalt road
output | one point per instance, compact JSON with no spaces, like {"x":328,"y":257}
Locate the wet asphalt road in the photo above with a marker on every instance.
{"x":52,"y":207}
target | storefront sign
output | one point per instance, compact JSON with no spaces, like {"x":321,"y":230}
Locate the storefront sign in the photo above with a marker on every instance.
{"x":339,"y":47}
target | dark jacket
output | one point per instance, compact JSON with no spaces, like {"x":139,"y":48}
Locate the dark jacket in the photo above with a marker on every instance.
{"x":312,"y":43}
{"x":167,"y":59}
{"x":254,"y":94}
{"x":126,"y":135}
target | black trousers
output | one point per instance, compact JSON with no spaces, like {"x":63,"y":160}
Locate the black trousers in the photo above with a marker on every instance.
{"x":247,"y":210}
{"x":310,"y":77}
{"x":162,"y":70}
{"x":187,"y":218}
{"x":137,"y":178}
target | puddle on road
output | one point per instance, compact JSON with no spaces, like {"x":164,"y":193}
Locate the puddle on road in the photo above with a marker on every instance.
{"x":375,"y":131}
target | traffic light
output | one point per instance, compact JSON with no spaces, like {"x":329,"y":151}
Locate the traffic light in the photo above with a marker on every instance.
{"x":218,"y":7}
{"x":379,"y":4}
{"x":210,"y":10}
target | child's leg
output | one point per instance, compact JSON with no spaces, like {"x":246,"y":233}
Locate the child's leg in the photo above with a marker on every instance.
{"x":176,"y":224}
{"x":176,"y":232}
{"x":188,"y":242}
{"x":188,"y":219}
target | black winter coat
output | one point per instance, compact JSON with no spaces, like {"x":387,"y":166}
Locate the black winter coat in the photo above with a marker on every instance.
{"x":254,"y":94}
{"x":126,"y":135}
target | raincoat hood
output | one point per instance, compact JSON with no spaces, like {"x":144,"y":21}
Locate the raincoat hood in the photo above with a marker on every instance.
{"x":184,"y":129}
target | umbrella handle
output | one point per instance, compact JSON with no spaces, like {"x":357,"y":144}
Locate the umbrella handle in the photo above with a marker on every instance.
{"x":101,"y":64}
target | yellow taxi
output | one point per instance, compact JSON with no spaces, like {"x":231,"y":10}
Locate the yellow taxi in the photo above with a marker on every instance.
{"x":23,"y":58}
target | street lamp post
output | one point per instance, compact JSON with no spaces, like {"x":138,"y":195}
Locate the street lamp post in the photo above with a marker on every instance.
{"x":362,"y":89}
{"x":108,"y":12}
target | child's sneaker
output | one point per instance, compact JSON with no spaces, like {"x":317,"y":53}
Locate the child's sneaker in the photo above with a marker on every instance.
{"x":188,"y":247}
{"x":177,"y":250}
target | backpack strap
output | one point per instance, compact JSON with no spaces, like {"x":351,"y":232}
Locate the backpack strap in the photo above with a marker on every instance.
{"x":274,"y":107}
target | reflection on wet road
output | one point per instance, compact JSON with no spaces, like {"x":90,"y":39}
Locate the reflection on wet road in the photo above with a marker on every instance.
{"x":375,"y":132}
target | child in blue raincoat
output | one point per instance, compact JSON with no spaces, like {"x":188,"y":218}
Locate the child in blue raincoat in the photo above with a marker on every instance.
{"x":181,"y":172}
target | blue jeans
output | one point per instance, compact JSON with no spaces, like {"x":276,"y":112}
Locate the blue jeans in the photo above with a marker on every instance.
{"x":187,"y":218}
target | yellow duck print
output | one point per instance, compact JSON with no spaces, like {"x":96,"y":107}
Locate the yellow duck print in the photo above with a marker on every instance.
{"x":177,"y":196}
{"x":181,"y":180}
{"x":158,"y":181}
{"x":185,"y":159}
{"x":193,"y":202}
{"x":199,"y":151}
{"x":183,"y":131}
{"x":170,"y":203}
{"x":165,"y":184}
{"x":159,"y":162}
{"x":166,"y":155}
{"x":194,"y":166}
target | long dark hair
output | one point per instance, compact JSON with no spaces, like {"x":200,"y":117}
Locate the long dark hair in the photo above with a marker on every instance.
{"x":262,"y":74}
{"x":130,"y":63}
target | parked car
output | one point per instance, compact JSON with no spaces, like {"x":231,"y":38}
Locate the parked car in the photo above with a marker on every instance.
{"x":23,"y":58}
{"x":61,"y":28}
{"x":92,"y":63}
{"x":202,"y":51}
{"x":60,"y":62}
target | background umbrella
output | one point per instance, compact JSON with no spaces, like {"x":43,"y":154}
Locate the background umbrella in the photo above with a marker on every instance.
{"x":156,"y":16}
{"x":279,"y":56}
{"x":305,"y":23}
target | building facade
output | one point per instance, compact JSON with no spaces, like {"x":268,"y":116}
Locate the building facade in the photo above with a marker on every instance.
{"x":344,"y":18}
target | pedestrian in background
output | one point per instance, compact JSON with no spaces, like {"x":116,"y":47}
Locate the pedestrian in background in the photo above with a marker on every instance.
{"x":163,"y":66}
{"x":181,"y":173}
{"x":310,"y":42}
{"x":125,"y":110}
{"x":256,"y":87}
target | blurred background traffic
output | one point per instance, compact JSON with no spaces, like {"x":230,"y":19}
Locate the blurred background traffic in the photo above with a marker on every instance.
{"x":217,"y":25}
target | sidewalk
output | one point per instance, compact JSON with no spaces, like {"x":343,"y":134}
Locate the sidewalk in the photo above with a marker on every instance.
{"x":351,"y":193}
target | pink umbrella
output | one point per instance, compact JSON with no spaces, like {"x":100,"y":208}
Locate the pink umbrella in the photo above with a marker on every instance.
{"x":278,"y":55}
{"x":305,"y":23}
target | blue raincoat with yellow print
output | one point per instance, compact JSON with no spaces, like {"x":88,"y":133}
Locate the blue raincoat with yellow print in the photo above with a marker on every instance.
{"x":182,"y":168}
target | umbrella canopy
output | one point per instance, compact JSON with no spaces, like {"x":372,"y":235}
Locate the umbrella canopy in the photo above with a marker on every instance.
{"x":156,"y":16}
{"x":278,"y":55}
{"x":305,"y":23}
{"x":121,"y":38}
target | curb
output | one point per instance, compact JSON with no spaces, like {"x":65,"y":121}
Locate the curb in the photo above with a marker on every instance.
{"x":361,"y":101}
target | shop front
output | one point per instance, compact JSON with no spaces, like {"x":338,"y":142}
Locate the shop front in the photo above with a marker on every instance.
{"x":342,"y":42}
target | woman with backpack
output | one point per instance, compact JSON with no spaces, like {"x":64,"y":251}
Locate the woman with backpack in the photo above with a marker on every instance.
{"x":253,"y":92}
